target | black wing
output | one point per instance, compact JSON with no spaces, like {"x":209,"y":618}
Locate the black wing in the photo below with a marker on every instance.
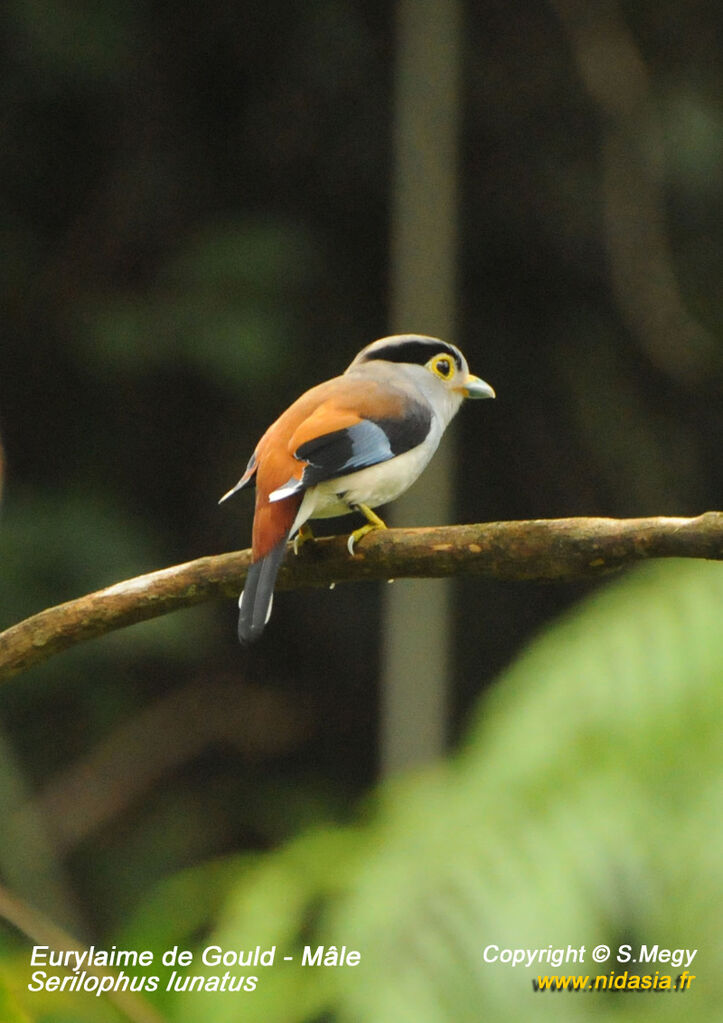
{"x":357,"y":447}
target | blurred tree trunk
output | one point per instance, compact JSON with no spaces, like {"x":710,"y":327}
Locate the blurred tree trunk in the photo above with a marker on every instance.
{"x":418,"y":626}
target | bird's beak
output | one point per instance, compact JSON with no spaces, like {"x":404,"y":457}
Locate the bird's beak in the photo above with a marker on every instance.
{"x":475,"y":388}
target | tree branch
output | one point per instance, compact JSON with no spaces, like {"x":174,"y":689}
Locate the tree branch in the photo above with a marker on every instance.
{"x":542,"y":549}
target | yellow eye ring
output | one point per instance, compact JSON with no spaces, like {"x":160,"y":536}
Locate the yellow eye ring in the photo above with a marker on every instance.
{"x":442,"y":366}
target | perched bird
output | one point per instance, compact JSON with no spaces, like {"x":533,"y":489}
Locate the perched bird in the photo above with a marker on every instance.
{"x":349,"y":445}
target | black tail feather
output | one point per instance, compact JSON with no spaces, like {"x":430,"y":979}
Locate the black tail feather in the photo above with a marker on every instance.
{"x":258,"y":594}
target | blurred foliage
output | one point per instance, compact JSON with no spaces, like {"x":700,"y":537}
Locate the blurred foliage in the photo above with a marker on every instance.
{"x":10,"y":1011}
{"x":214,"y":310}
{"x":82,"y":543}
{"x":194,"y":227}
{"x":577,"y":811}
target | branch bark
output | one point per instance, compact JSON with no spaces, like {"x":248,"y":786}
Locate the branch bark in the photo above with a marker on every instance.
{"x":541,"y":549}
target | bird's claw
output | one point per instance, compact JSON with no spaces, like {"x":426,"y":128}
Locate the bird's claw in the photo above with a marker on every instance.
{"x":303,"y":536}
{"x":357,"y":535}
{"x":373,"y":522}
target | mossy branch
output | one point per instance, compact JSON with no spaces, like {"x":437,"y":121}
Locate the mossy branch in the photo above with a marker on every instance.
{"x":542,"y":549}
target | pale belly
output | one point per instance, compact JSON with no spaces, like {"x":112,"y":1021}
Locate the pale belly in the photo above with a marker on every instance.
{"x":374,"y":486}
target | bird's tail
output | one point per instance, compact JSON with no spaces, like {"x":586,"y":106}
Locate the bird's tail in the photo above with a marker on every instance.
{"x":257,"y":597}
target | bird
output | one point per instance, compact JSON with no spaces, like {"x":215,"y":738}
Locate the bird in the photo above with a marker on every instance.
{"x":350,"y":444}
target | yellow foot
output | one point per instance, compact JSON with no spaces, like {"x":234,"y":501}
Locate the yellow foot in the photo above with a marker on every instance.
{"x":303,"y":536}
{"x":373,"y":522}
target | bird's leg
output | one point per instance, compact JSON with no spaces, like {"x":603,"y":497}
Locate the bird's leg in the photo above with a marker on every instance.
{"x":303,"y":536}
{"x":373,"y":522}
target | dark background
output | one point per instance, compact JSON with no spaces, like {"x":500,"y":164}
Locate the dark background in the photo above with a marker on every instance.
{"x":194,"y":214}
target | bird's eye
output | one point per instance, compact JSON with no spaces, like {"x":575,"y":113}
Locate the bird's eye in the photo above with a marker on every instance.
{"x":442,"y":367}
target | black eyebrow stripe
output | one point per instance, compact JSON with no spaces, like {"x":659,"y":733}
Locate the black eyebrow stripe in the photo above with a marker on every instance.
{"x":418,"y":352}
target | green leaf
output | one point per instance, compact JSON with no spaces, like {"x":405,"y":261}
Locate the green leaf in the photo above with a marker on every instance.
{"x":580,"y":810}
{"x":583,"y":808}
{"x":10,"y":1011}
{"x":276,"y":904}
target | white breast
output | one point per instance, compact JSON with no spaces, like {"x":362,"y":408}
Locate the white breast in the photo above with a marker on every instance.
{"x":374,"y":486}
